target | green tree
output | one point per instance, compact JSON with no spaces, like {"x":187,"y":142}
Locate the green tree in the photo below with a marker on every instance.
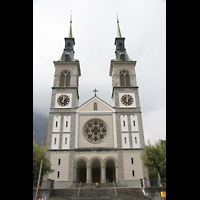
{"x":154,"y":157}
{"x":38,"y":155}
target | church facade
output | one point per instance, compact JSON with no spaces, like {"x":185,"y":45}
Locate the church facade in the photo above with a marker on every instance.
{"x":95,"y":142}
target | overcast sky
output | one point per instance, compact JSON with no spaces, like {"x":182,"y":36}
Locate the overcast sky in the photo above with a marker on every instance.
{"x":94,"y":27}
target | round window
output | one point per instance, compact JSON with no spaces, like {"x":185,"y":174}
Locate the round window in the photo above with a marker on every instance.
{"x":95,"y":130}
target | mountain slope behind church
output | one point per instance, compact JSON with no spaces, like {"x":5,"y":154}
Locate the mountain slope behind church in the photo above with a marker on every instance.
{"x":40,"y":125}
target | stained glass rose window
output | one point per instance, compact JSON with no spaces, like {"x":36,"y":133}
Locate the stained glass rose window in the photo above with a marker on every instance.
{"x":95,"y":130}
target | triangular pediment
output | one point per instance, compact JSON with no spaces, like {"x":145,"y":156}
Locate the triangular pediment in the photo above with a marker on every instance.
{"x":88,"y":106}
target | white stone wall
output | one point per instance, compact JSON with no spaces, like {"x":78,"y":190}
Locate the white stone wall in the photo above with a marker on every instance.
{"x":66,"y":123}
{"x":55,"y":141}
{"x":56,"y":124}
{"x":136,"y":166}
{"x":108,"y":142}
{"x":62,"y":168}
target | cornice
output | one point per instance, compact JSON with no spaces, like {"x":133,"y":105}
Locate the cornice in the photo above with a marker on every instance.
{"x":123,"y":62}
{"x":66,"y":88}
{"x":96,"y":149}
{"x":61,"y":63}
{"x":65,"y":62}
{"x":113,"y":62}
{"x":126,"y":87}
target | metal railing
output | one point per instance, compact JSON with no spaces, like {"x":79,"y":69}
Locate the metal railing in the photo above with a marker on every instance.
{"x":114,"y":188}
{"x":79,"y":188}
{"x":152,"y":182}
{"x":156,"y":182}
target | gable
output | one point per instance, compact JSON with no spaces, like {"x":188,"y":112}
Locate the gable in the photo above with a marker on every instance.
{"x":89,"y":106}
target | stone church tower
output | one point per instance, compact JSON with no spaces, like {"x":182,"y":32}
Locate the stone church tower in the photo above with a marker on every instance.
{"x":95,"y":142}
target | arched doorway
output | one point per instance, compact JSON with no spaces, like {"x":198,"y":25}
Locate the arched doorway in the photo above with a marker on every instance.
{"x":96,"y":172}
{"x":81,"y":172}
{"x":110,"y":171}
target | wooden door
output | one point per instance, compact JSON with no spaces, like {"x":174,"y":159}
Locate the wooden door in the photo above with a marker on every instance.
{"x":109,"y":174}
{"x":82,"y":175}
{"x":96,"y":175}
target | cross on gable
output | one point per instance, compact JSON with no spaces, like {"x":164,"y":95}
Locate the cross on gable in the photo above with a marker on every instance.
{"x":95,"y":90}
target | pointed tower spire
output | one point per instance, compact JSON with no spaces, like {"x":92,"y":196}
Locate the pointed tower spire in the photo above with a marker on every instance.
{"x":70,"y":28}
{"x":119,"y":35}
{"x":120,"y":53}
{"x":68,"y":52}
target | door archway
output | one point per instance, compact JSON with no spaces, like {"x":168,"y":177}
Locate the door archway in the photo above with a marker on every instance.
{"x":81,"y":172}
{"x":96,"y":172}
{"x":110,"y":172}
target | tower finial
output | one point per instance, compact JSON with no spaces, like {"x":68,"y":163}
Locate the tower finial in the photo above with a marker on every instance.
{"x":71,"y":17}
{"x":117,"y":18}
{"x":70,"y":28}
{"x":119,"y":35}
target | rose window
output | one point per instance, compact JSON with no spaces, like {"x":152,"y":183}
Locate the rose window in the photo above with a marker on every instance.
{"x":95,"y":130}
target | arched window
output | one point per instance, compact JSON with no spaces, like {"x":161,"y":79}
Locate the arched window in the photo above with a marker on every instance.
{"x":62,"y":80}
{"x":65,"y":78}
{"x":124,"y":78}
{"x":127,"y":79}
{"x":67,"y":58}
{"x":122,"y":57}
{"x":95,"y":106}
{"x":122,"y":83}
{"x":68,"y":80}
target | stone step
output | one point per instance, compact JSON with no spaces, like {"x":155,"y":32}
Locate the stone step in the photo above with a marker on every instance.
{"x":98,"y":193}
{"x":98,"y":198}
{"x":83,"y":185}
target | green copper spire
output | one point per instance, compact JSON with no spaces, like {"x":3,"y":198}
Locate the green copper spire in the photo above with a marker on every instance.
{"x":120,"y":53}
{"x":70,"y":28}
{"x":119,"y":35}
{"x":68,"y":51}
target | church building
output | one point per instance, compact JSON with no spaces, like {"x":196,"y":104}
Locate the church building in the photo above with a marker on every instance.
{"x":95,"y":142}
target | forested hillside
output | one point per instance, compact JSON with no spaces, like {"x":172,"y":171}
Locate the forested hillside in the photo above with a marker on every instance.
{"x":40,"y":124}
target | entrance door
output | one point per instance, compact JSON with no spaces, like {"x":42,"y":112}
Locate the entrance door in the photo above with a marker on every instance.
{"x":82,"y":175}
{"x":109,"y":174}
{"x":95,"y":175}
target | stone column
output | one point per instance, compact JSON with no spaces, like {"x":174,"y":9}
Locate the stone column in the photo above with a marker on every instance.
{"x":116,"y":174}
{"x":103,"y":174}
{"x":75,"y":173}
{"x":88,"y":174}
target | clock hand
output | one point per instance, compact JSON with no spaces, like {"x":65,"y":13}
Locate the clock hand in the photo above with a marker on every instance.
{"x":64,"y":98}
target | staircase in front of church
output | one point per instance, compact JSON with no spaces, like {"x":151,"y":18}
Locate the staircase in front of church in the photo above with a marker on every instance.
{"x":98,"y":193}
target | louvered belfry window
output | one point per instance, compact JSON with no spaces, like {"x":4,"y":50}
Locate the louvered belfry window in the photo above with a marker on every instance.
{"x":65,"y":78}
{"x":124,"y":78}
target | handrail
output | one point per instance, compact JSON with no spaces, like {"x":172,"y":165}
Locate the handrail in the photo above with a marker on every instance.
{"x":79,"y":188}
{"x":114,"y":188}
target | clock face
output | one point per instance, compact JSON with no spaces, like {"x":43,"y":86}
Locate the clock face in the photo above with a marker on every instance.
{"x":63,"y":100}
{"x":127,"y":100}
